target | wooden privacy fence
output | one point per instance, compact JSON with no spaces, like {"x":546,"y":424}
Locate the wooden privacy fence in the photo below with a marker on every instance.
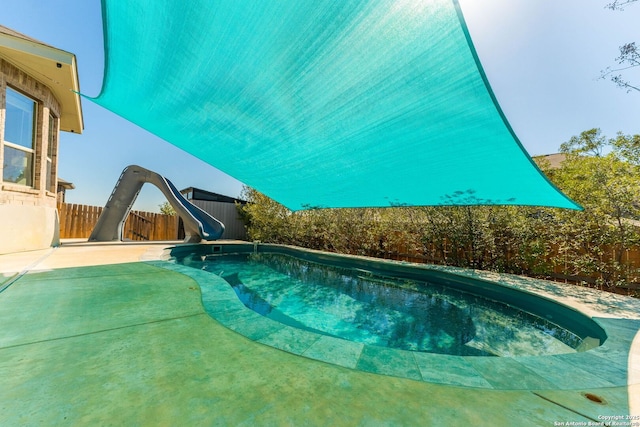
{"x":77,"y":221}
{"x":561,"y":271}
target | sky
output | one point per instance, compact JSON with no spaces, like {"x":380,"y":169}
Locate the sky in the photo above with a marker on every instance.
{"x":543,"y":59}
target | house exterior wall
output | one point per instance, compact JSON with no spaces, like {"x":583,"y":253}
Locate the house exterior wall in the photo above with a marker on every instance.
{"x":28,"y":216}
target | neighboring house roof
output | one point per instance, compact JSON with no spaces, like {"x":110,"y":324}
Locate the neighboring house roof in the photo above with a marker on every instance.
{"x":193,"y":193}
{"x":65,"y":184}
{"x":554,"y":160}
{"x":53,"y":67}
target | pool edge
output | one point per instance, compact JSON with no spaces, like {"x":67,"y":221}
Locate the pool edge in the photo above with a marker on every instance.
{"x":557,"y":372}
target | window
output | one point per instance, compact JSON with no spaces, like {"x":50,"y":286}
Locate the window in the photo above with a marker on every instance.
{"x":19,"y":135}
{"x":51,"y":147}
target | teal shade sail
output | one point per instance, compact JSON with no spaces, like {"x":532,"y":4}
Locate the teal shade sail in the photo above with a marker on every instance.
{"x":321,"y":103}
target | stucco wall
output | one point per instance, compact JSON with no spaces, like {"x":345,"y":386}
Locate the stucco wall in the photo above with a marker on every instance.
{"x":25,"y":228}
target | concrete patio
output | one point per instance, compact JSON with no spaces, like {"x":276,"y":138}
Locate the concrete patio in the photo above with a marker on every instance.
{"x":103,"y":334}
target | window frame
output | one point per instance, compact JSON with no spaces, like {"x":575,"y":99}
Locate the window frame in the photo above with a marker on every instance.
{"x":51,"y":154}
{"x":34,"y":130}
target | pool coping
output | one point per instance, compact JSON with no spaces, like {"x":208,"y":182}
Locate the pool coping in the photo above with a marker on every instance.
{"x":609,"y":365}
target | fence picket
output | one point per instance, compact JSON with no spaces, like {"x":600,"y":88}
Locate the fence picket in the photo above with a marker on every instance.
{"x":78,"y":221}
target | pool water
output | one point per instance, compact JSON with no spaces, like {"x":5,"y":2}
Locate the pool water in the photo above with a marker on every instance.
{"x":359,"y":306}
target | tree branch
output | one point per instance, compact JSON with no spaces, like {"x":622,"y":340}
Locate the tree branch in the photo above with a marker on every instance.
{"x":623,"y":84}
{"x":629,"y":56}
{"x":619,"y":4}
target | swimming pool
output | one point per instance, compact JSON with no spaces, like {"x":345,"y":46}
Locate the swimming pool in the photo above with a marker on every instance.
{"x":393,"y":305}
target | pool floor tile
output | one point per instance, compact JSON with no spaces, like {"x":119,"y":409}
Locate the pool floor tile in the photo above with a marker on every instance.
{"x":452,"y":370}
{"x":624,"y":327}
{"x":614,"y":371}
{"x":256,"y":328}
{"x":232,"y":315}
{"x":289,"y":339}
{"x":562,"y":373}
{"x":507,"y":373}
{"x":336,"y":351}
{"x":388,"y":361}
{"x":213,"y":295}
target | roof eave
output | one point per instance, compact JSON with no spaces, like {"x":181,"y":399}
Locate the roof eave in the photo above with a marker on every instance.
{"x":55,"y":68}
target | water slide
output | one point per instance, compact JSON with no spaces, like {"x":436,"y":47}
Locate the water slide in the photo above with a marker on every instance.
{"x":198,"y":224}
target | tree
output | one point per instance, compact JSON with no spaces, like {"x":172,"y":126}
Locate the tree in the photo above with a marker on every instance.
{"x":629,"y":56}
{"x":167,"y":209}
{"x":608,"y":187}
{"x":589,"y":142}
{"x":627,"y":147}
{"x":266,"y":219}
